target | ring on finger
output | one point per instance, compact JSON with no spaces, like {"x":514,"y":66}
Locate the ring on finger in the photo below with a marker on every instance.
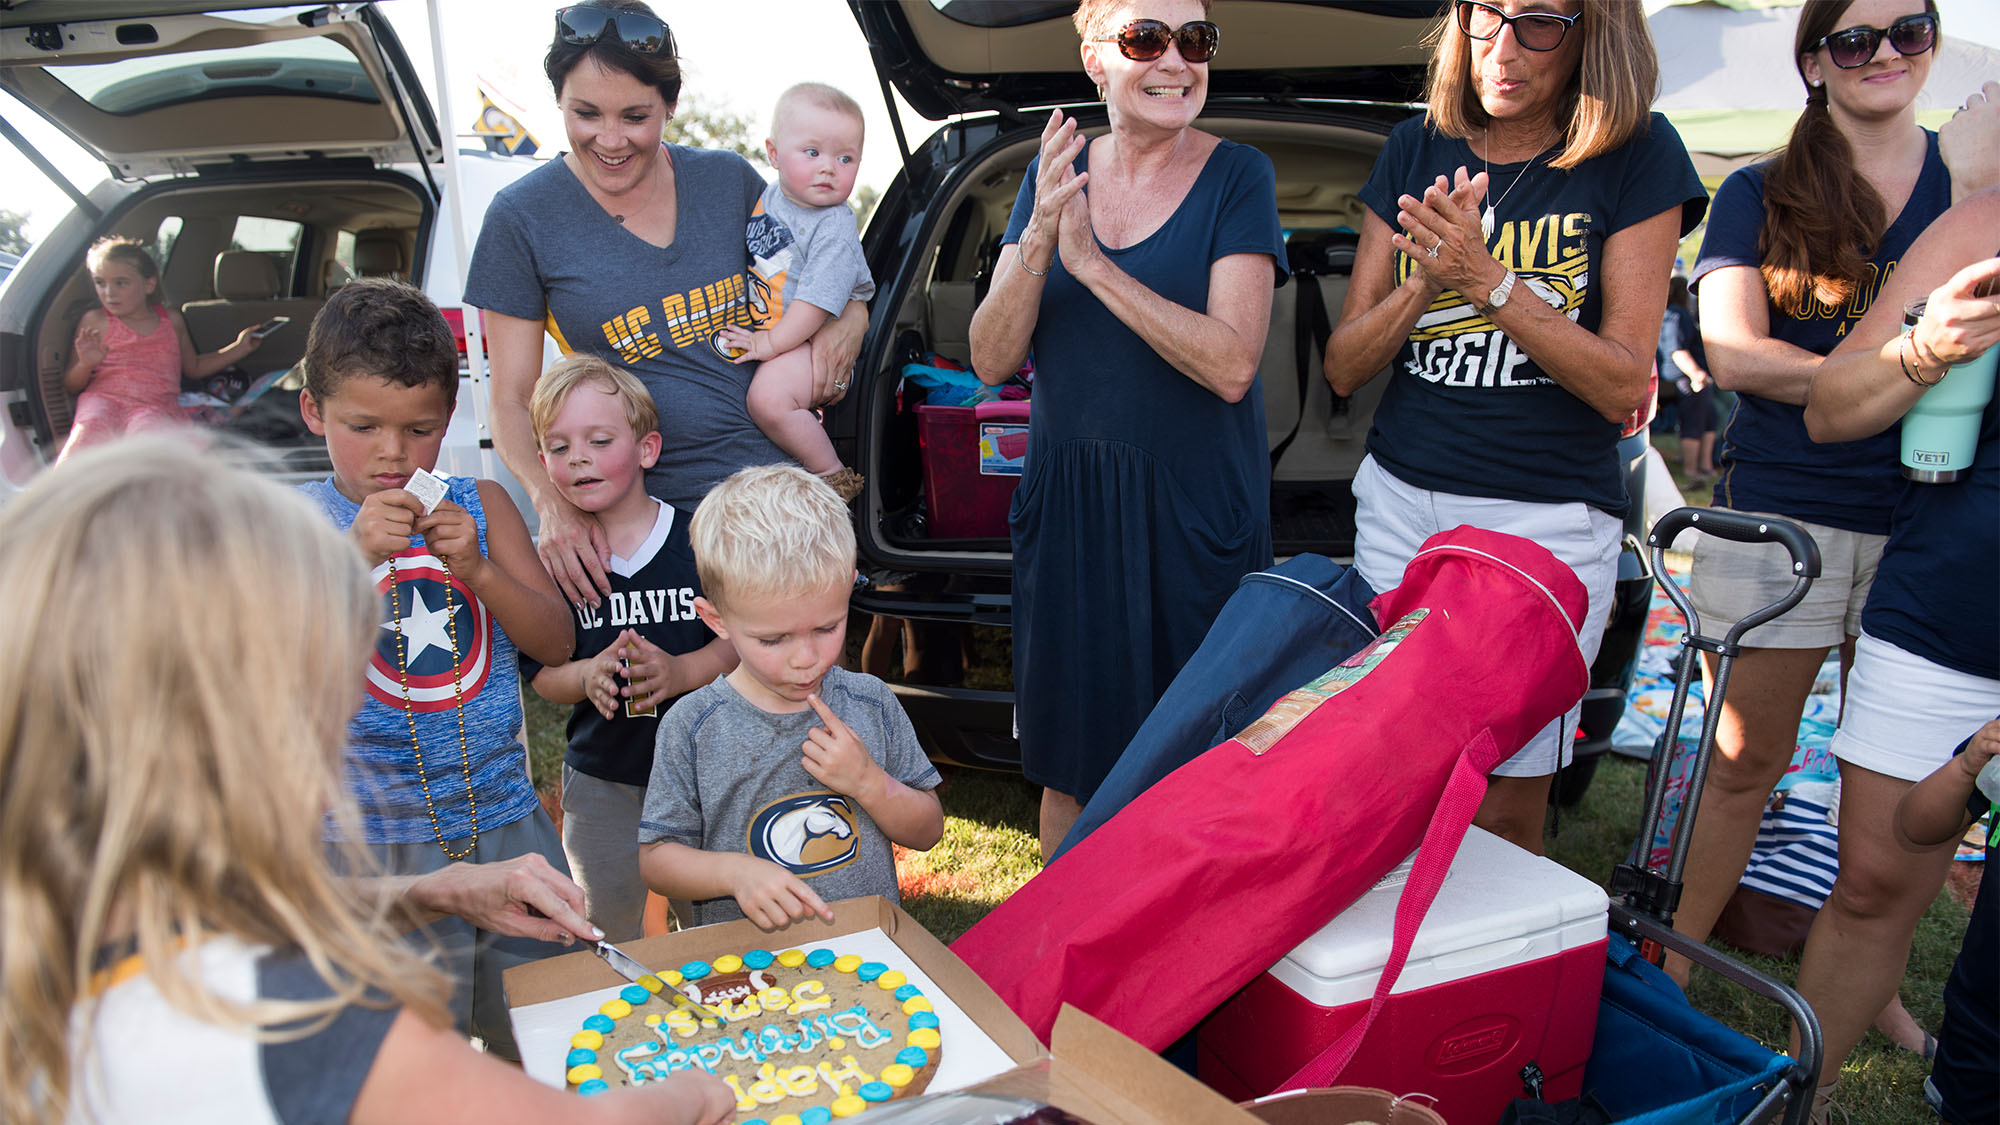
{"x":1433,"y":251}
{"x":840,"y":384}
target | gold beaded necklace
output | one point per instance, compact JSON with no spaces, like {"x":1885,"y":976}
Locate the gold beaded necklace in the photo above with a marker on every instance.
{"x":458,"y":700}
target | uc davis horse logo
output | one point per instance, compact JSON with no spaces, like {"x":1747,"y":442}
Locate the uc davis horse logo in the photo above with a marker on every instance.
{"x":806,"y":834}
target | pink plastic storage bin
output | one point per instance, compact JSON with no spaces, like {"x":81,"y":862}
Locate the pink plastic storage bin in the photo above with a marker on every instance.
{"x":964,"y":502}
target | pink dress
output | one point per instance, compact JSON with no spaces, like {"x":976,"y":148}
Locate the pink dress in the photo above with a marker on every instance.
{"x":136,"y":386}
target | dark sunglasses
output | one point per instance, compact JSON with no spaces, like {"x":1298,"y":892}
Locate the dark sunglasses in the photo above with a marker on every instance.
{"x":1854,"y":46}
{"x":1537,"y":31}
{"x":1146,"y":40}
{"x":581,"y":26}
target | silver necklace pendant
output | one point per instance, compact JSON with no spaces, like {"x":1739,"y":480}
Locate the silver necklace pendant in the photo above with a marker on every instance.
{"x":1486,"y":223}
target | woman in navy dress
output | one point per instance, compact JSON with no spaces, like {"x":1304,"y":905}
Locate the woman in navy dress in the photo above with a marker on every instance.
{"x":1138,"y":269}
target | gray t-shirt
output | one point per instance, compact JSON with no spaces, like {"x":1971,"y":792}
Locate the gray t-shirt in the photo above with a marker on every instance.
{"x":549,"y":252}
{"x":727,"y":778}
{"x":800,"y":253}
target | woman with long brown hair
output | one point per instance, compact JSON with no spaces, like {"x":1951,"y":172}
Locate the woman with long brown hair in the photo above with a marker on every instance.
{"x":1797,"y":249}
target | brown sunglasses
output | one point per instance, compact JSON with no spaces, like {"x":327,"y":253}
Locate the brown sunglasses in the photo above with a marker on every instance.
{"x":1146,"y":40}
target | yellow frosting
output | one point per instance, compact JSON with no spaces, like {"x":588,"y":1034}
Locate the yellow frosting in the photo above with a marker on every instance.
{"x":891,"y":981}
{"x":673,"y":977}
{"x":786,"y":1119}
{"x":584,"y":1072}
{"x":847,"y":1105}
{"x":615,"y":1008}
{"x":916,"y":1004}
{"x":898,"y":1075}
{"x":846,"y":964}
{"x":925,"y":1037}
{"x":588,"y":1040}
{"x":650,"y":983}
{"x":728,"y":963}
{"x":792,"y":959}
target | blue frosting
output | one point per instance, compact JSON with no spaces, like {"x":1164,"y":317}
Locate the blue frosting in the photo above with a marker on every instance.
{"x":916,"y":1058}
{"x":820,"y":958}
{"x":869,"y":970}
{"x":875,"y":1092}
{"x":758,"y":959}
{"x":695,"y":970}
{"x":593,"y":1087}
{"x":600,"y":1023}
{"x":634,"y":994}
{"x":923,"y":1019}
{"x":904,"y":992}
{"x":816,"y":1115}
{"x":579,"y":1056}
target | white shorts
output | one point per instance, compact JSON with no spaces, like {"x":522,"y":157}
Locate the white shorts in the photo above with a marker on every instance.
{"x":1731,"y":580}
{"x":1904,"y":715}
{"x":1393,"y":519}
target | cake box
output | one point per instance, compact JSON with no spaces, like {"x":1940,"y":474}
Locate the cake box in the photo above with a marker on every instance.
{"x":1088,"y":1069}
{"x":1505,"y":971}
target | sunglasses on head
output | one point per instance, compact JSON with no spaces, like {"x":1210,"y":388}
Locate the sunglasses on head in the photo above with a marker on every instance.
{"x":1537,"y":31}
{"x":581,"y":26}
{"x":1146,"y":40}
{"x":1855,"y":46}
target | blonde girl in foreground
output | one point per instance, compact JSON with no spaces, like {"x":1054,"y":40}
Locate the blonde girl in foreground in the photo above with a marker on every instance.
{"x":182,"y":645}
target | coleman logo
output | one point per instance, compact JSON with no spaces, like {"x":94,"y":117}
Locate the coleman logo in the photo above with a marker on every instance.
{"x":1458,"y":1048}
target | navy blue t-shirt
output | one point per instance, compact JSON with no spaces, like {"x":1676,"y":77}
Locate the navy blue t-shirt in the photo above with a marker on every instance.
{"x":1768,"y":462}
{"x":1466,"y":410}
{"x":1937,"y":589}
{"x":653,"y":594}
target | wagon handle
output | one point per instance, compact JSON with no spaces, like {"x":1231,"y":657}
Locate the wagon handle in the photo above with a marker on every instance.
{"x":1658,"y":893}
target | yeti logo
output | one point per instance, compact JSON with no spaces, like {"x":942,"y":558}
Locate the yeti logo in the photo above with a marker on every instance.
{"x":806,"y":834}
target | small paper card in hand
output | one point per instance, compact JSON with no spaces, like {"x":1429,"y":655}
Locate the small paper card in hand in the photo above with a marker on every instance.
{"x":427,"y":487}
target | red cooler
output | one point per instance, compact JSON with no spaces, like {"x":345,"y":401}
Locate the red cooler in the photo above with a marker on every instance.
{"x":1505,"y":971}
{"x":972,"y":461}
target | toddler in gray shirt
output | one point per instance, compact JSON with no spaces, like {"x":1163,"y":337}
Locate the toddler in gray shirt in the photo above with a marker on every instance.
{"x":780,"y":787}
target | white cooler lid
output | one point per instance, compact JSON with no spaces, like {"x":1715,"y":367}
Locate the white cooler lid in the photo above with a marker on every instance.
{"x":1499,"y":906}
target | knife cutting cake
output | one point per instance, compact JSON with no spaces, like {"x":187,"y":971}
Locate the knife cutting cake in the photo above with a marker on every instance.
{"x":809,"y":1035}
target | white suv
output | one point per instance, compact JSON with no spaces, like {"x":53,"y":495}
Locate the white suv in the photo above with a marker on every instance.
{"x":267,"y":155}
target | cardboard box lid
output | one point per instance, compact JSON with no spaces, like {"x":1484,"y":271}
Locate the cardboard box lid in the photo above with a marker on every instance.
{"x":1105,"y":1078}
{"x":1499,"y":906}
{"x":556,"y":977}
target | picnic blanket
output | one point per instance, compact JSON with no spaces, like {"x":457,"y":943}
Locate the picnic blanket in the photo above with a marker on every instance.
{"x":1793,"y":859}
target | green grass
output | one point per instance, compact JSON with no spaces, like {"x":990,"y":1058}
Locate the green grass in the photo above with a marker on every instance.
{"x":989,"y":850}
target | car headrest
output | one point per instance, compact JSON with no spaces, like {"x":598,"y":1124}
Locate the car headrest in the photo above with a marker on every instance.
{"x":378,"y":254}
{"x":245,"y":275}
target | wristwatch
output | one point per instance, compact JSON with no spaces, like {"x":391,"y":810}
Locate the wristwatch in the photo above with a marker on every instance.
{"x":1498,"y":297}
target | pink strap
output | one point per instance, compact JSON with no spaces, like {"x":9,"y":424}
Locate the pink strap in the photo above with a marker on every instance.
{"x":1462,"y":794}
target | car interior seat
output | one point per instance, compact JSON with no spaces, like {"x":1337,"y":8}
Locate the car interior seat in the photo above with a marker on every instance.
{"x":247,"y":289}
{"x":379,"y":253}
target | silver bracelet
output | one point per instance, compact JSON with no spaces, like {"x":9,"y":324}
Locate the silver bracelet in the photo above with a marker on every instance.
{"x":1032,"y":271}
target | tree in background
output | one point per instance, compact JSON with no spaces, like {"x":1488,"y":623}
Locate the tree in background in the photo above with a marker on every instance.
{"x":13,"y":235}
{"x":863,"y":201}
{"x":698,"y":126}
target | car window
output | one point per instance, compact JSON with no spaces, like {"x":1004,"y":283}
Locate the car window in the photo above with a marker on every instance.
{"x":278,"y":238}
{"x":164,"y":239}
{"x":315,"y":66}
